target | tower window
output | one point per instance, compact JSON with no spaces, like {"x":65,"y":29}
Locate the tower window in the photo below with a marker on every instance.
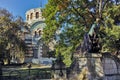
{"x":31,"y":15}
{"x":35,"y":33}
{"x":37,"y":15}
{"x":27,"y":17}
{"x":39,"y":32}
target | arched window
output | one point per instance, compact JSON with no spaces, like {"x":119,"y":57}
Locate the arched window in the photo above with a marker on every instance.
{"x":31,"y":15}
{"x":37,"y":15}
{"x":27,"y":17}
{"x":39,"y":32}
{"x":35,"y":33}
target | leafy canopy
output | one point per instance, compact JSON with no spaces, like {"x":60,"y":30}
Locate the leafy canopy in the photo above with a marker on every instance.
{"x":10,"y":31}
{"x":68,"y":20}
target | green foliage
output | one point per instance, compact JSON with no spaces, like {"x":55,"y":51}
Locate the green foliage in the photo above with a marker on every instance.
{"x":109,"y":40}
{"x":10,"y":35}
{"x":68,"y":20}
{"x":112,"y":15}
{"x":51,"y":23}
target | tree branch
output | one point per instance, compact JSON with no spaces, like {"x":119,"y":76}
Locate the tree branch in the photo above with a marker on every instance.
{"x":81,"y":16}
{"x":105,"y":3}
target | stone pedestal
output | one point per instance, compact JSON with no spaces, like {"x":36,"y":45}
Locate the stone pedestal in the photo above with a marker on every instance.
{"x":90,"y":66}
{"x":94,"y":65}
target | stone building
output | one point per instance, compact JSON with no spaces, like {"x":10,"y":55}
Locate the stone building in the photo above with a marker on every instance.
{"x":34,"y":15}
{"x":36,"y":49}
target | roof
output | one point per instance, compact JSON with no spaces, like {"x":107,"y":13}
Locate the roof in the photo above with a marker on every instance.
{"x":36,"y":25}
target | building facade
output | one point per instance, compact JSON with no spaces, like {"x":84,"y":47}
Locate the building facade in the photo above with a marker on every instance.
{"x":36,"y":49}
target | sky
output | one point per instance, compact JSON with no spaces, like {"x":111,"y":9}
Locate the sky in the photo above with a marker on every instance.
{"x":19,"y":7}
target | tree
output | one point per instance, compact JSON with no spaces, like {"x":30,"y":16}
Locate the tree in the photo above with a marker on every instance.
{"x":111,"y":41}
{"x":10,"y":35}
{"x":72,"y":18}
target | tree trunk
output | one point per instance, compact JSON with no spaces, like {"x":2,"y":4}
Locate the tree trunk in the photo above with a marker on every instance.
{"x":100,"y":8}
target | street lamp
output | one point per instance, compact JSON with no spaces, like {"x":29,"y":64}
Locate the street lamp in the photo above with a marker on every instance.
{"x":29,"y":67}
{"x":0,"y":70}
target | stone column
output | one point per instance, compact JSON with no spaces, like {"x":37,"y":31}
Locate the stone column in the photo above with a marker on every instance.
{"x":94,"y":65}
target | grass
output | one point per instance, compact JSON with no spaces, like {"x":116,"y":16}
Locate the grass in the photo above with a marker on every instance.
{"x":23,"y":71}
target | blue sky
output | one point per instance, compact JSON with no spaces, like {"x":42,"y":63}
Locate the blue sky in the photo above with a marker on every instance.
{"x":19,"y":7}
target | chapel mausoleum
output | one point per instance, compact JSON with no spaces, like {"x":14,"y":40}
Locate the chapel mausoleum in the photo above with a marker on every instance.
{"x":36,"y":49}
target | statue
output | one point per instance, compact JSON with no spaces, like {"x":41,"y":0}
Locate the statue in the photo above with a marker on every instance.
{"x":94,"y":38}
{"x":91,"y":39}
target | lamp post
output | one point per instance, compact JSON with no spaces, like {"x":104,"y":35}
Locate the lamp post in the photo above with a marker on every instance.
{"x":29,"y":67}
{"x":1,"y":63}
{"x":61,"y":64}
{"x":0,"y":70}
